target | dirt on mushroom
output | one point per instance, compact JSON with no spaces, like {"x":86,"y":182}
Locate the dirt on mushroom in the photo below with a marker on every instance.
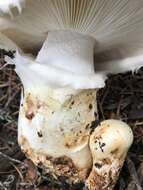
{"x":122,"y":98}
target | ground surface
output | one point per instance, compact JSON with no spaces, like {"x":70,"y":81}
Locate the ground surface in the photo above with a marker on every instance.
{"x":122,"y":98}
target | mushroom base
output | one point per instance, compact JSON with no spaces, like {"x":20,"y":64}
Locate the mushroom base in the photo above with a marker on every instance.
{"x":61,"y":169}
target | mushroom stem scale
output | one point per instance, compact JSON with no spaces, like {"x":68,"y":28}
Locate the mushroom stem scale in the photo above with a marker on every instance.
{"x":65,"y":60}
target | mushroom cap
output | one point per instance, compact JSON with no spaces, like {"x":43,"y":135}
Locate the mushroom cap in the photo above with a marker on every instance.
{"x":114,"y":24}
{"x":116,"y":136}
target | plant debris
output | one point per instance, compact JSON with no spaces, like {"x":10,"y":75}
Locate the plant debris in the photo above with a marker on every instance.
{"x":122,"y":98}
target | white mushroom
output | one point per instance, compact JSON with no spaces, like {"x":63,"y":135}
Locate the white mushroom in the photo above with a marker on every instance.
{"x":58,"y":104}
{"x":109,"y":144}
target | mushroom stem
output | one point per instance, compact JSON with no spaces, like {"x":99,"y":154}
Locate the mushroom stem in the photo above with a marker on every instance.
{"x":68,"y":50}
{"x":54,"y":128}
{"x":109,"y":144}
